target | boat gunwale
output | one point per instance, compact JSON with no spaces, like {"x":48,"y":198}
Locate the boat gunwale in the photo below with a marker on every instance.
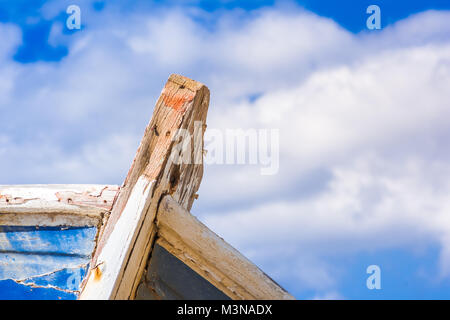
{"x":56,"y":204}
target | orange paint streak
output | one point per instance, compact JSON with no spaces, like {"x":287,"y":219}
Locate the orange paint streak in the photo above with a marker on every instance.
{"x":177,"y":100}
{"x":97,"y":274}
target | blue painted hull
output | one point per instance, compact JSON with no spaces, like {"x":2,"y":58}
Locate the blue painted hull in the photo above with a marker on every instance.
{"x":44,"y":262}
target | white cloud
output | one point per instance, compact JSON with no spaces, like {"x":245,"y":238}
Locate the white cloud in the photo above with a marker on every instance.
{"x":370,"y":204}
{"x":368,"y":201}
{"x":379,"y":104}
{"x":329,"y":296}
{"x":10,"y":36}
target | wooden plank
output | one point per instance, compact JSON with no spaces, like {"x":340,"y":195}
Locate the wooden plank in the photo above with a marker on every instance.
{"x":125,"y":244}
{"x":53,"y":259}
{"x":78,"y":241}
{"x":168,"y":278}
{"x":202,"y":250}
{"x":47,"y":237}
{"x":55,"y":205}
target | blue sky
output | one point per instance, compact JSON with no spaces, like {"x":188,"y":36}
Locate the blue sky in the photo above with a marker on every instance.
{"x":363,"y":119}
{"x":349,"y":14}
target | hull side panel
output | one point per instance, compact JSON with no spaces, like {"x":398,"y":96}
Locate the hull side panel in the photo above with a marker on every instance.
{"x":44,"y":262}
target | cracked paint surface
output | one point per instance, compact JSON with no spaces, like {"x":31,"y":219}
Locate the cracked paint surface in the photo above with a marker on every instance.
{"x":44,"y":262}
{"x":11,"y":290}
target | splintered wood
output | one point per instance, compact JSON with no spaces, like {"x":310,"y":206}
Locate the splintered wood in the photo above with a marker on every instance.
{"x":153,"y":206}
{"x":55,"y":205}
{"x":128,"y":236}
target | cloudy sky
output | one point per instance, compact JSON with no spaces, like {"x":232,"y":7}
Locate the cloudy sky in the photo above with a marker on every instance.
{"x":363,"y":119}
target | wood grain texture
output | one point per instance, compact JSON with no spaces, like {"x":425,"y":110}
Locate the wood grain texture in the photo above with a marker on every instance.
{"x":168,"y":278}
{"x":118,"y":265}
{"x":55,"y":205}
{"x":202,"y":250}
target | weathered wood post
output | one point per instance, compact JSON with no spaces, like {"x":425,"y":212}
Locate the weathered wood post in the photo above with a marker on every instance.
{"x":157,"y":170}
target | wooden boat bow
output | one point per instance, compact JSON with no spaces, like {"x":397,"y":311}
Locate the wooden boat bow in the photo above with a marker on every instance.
{"x":145,"y":233}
